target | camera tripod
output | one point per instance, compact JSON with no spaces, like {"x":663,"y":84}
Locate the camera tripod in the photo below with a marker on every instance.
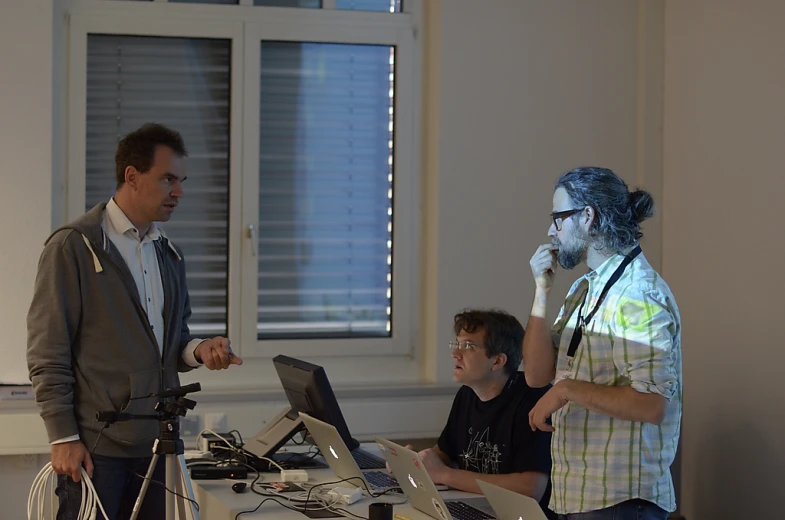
{"x":180,"y":492}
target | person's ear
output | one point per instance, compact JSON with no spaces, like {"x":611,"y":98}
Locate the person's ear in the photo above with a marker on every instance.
{"x":132,"y":177}
{"x":587,"y":218}
{"x":501,"y":360}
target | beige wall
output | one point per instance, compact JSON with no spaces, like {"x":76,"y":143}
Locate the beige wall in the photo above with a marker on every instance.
{"x":25,"y":163}
{"x":516,"y":93}
{"x":525,"y":91}
{"x":724,"y":248}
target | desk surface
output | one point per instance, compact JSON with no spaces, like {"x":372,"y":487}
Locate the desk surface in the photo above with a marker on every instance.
{"x":217,"y":501}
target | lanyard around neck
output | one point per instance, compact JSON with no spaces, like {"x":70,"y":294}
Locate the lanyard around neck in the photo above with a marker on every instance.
{"x":577,"y":334}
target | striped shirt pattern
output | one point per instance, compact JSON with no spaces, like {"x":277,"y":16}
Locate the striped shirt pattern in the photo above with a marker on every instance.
{"x":634,"y":339}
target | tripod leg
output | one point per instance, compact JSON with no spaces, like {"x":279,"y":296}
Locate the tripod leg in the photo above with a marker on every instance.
{"x":145,"y":485}
{"x":180,"y":501}
{"x":187,"y":490}
{"x":171,"y":483}
{"x":181,"y":492}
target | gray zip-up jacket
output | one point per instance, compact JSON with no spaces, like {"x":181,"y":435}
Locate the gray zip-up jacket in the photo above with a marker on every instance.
{"x":90,"y":347}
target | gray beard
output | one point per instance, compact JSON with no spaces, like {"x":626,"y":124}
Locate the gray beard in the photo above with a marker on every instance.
{"x":569,"y":259}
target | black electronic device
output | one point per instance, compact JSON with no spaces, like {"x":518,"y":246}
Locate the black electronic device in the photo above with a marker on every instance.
{"x":218,"y":472}
{"x":308,"y":390}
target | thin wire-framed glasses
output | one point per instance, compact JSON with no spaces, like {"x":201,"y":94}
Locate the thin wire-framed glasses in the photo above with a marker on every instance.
{"x":463,"y":345}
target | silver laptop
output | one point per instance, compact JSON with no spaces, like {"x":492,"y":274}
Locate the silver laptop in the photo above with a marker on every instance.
{"x":419,"y":488}
{"x":340,"y":459}
{"x":510,"y":505}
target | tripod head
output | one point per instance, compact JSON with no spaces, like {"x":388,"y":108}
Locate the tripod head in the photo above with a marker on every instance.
{"x":172,"y":404}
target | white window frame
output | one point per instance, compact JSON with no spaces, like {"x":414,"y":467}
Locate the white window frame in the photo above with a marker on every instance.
{"x":247,"y":26}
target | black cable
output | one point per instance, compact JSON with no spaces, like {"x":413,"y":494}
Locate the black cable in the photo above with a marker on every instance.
{"x":365,"y":485}
{"x":260,"y":505}
{"x":298,"y":508}
{"x":175,"y":493}
{"x":304,"y":506}
{"x":95,"y":445}
{"x":314,"y":454}
{"x":302,"y":436}
{"x":100,"y":432}
{"x":345,"y":512}
{"x":240,"y":437}
{"x":201,"y":462}
{"x":258,"y":473}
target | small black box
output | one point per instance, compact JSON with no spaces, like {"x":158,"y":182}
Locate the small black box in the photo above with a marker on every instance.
{"x":214,"y":473}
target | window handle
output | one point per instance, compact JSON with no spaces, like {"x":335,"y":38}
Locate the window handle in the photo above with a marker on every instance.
{"x":250,"y":232}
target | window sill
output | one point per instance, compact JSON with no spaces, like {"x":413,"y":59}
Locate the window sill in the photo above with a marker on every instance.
{"x":342,"y":392}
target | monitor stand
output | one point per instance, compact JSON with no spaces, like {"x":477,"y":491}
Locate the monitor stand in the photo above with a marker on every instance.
{"x":277,"y":432}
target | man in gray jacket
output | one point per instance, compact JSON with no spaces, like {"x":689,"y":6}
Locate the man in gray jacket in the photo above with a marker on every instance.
{"x":109,"y":324}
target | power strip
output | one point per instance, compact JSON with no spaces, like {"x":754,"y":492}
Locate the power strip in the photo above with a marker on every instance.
{"x":196,"y":454}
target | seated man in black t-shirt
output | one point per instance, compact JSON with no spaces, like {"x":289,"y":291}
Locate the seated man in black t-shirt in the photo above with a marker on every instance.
{"x":487,"y":435}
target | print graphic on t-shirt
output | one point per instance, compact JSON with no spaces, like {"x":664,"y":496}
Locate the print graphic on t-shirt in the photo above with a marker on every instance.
{"x":481,"y":456}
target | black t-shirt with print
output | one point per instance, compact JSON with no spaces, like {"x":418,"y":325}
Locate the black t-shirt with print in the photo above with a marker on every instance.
{"x":494,"y":437}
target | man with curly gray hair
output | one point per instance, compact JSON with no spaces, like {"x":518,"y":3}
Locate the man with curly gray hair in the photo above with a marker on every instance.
{"x":613,"y":356}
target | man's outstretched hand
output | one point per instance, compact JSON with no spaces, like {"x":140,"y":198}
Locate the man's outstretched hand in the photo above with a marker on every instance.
{"x":216,"y":354}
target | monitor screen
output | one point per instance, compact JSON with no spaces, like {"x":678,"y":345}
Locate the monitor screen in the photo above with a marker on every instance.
{"x":309,"y":391}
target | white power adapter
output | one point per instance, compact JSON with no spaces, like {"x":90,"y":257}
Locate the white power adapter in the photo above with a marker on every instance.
{"x":197,"y":454}
{"x":347,"y":495}
{"x":294,"y":475}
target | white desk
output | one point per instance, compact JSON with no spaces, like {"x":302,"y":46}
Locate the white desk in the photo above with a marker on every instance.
{"x":217,"y":501}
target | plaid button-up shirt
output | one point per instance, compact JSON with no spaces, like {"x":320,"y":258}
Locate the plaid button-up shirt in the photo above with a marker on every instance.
{"x":634,"y":339}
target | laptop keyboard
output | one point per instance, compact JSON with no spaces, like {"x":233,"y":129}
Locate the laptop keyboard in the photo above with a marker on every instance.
{"x":365,"y":460}
{"x":463,"y":511}
{"x":380,"y":479}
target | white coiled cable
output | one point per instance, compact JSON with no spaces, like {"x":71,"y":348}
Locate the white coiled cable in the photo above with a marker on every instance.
{"x":46,"y":479}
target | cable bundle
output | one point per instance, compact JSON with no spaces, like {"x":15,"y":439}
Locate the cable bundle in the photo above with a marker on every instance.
{"x":47,"y":479}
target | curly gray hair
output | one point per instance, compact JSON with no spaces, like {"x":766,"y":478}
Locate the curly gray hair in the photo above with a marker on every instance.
{"x":619,"y":212}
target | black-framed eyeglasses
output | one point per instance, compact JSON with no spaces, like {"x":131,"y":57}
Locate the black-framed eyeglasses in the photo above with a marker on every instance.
{"x":558,"y":216}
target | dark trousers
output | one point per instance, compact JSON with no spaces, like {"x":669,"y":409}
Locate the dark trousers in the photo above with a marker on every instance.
{"x":117,"y":482}
{"x":629,"y":510}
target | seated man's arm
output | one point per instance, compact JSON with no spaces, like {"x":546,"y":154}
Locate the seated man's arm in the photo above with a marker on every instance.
{"x":445,"y":458}
{"x":530,"y":456}
{"x":529,"y":483}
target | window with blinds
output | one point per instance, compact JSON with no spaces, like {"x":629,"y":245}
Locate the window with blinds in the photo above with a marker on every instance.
{"x":392,"y":6}
{"x":183,"y":83}
{"x":325,"y":190}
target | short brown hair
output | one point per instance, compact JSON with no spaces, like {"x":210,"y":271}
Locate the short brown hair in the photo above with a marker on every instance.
{"x":137,"y":149}
{"x":503,"y":333}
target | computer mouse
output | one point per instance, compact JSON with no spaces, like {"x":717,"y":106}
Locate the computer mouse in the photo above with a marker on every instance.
{"x":239,"y":487}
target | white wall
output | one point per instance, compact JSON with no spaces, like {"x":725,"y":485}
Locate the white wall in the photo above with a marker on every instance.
{"x":527,"y":90}
{"x":516,"y":93}
{"x":26,"y":166}
{"x":723,"y":249}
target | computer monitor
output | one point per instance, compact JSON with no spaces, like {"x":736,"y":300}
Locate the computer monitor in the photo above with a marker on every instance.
{"x":308,"y":390}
